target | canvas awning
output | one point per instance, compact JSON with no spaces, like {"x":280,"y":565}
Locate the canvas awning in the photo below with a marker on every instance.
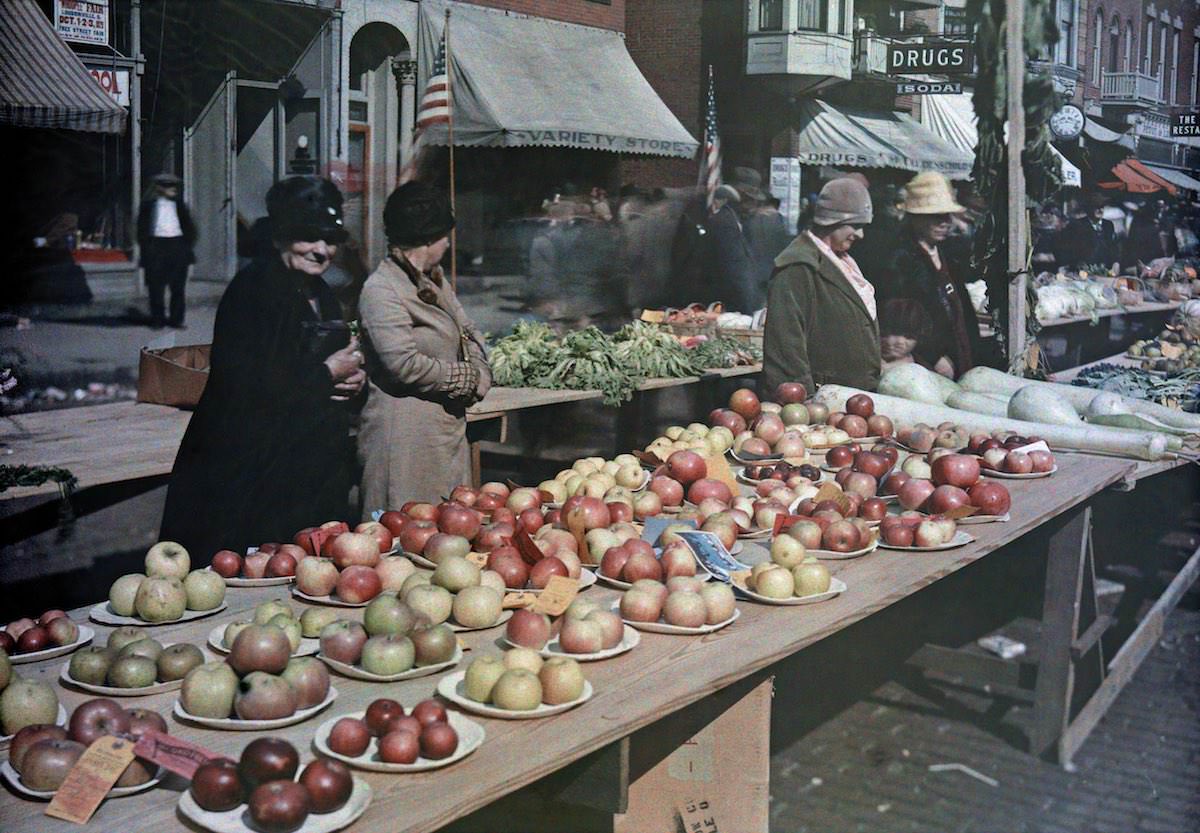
{"x":1099,"y":133}
{"x":43,"y":83}
{"x":520,"y":81}
{"x":953,"y":118}
{"x":1177,"y":178}
{"x":1136,"y":178}
{"x":859,"y":138}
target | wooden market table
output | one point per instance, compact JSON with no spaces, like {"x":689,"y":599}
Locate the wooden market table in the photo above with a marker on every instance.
{"x":661,"y":677}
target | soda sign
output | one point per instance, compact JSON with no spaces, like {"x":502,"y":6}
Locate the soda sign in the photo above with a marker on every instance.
{"x":115,"y":82}
{"x":928,"y":87}
{"x":931,"y":57}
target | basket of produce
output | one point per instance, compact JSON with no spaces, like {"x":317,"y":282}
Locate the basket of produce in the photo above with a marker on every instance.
{"x":693,"y":320}
{"x":1131,"y":292}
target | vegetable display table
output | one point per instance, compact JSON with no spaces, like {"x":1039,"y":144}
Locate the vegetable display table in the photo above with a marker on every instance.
{"x":661,"y":677}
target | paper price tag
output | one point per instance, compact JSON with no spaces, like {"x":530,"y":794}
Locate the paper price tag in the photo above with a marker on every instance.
{"x":172,"y":753}
{"x":1040,"y":445}
{"x":88,"y":782}
{"x":648,"y":458}
{"x":577,"y":525}
{"x":718,"y":469}
{"x":478,"y":558}
{"x":697,"y":817}
{"x":831,"y":491}
{"x":511,"y":601}
{"x":318,"y":537}
{"x":654,"y":316}
{"x":557,"y":597}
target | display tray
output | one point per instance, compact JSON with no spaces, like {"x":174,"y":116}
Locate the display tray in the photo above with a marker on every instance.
{"x":86,"y":635}
{"x":1007,"y":475}
{"x":960,"y":539}
{"x":505,"y":615}
{"x":332,"y":601}
{"x":237,"y":820}
{"x":836,"y":587}
{"x":113,"y":691}
{"x":103,"y":614}
{"x":238,"y":725}
{"x":830,"y":555}
{"x":356,"y":673}
{"x":238,"y":581}
{"x":14,"y":780}
{"x":309,"y":645}
{"x":677,"y":630}
{"x":451,"y":688}
{"x":470,"y":736}
{"x":629,"y":640}
{"x":61,"y":720}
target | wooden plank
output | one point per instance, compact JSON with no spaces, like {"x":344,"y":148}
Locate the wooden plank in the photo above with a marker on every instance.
{"x":1091,"y":636}
{"x":968,"y":667}
{"x":664,"y":674}
{"x":1149,"y":306}
{"x":1128,"y":659}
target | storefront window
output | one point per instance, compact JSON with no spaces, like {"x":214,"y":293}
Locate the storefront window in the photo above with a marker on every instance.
{"x":810,"y":15}
{"x":770,"y":15}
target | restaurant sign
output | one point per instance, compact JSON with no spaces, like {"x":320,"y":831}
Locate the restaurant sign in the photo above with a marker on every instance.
{"x":1185,"y":124}
{"x":82,"y":21}
{"x":939,"y":57}
{"x":928,"y":87}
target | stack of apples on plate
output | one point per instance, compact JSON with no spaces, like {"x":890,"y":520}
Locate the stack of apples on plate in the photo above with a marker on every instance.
{"x":584,"y":628}
{"x":278,"y":613}
{"x":457,"y":588}
{"x":912,"y":529}
{"x":392,"y":639}
{"x":353,"y":566}
{"x":168,"y":588}
{"x":790,"y":572}
{"x":636,"y":559}
{"x":425,"y":732}
{"x":684,"y":601}
{"x":828,"y":530}
{"x":264,"y":780}
{"x":133,"y":660}
{"x":43,"y":754}
{"x":50,"y":630}
{"x":521,"y":680}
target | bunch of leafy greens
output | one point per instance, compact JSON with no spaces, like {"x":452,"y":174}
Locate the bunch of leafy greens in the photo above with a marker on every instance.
{"x":1181,"y":390}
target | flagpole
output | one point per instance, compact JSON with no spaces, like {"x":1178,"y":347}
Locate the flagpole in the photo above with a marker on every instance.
{"x":450,"y":138}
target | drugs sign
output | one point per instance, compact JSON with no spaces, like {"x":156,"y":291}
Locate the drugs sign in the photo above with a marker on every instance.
{"x":931,"y":57}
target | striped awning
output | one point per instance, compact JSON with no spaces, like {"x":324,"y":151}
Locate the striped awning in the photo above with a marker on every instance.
{"x":1136,"y":178}
{"x":1176,"y":177}
{"x":43,"y":83}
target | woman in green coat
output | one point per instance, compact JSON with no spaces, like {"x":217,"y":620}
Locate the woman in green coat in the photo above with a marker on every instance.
{"x":821,"y":318}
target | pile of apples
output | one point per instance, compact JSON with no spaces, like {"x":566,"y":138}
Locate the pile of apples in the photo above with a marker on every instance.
{"x":259,"y":679}
{"x":684,"y":601}
{"x":783,"y":472}
{"x":953,"y":481}
{"x":860,"y":420}
{"x":393,"y":638}
{"x":521,"y":680}
{"x":264,"y":781}
{"x":43,"y":754}
{"x":922,"y":438}
{"x":697,"y":437}
{"x":50,"y":630}
{"x":168,"y":588}
{"x":610,"y":480}
{"x":828,"y":529}
{"x":279,"y":613}
{"x":996,"y":454}
{"x":790,"y":572}
{"x":133,"y":660}
{"x":354,"y":567}
{"x":456,"y":589}
{"x":636,"y":559}
{"x":398,"y":737}
{"x":584,"y":628}
{"x":912,"y":529}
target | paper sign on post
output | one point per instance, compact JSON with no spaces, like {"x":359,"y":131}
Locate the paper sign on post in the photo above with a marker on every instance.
{"x":578,"y":527}
{"x":530,"y":552}
{"x":172,"y":752}
{"x":557,"y":597}
{"x":88,"y":782}
{"x":831,"y":491}
{"x":712,"y":555}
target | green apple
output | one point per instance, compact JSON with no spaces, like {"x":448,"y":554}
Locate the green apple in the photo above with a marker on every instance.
{"x":477,"y":607}
{"x":209,"y":689}
{"x":517,"y":690}
{"x":314,"y":619}
{"x":148,"y":648}
{"x":309,"y":678}
{"x":415,"y":580}
{"x":775,"y":584}
{"x":388,"y":654}
{"x":123,"y":636}
{"x":231,"y":632}
{"x":5,"y":671}
{"x":455,"y":573}
{"x":90,"y":665}
{"x":25,"y":702}
{"x":132,"y":671}
{"x":123,"y":593}
{"x":167,"y":559}
{"x":786,"y":551}
{"x":290,"y":627}
{"x":524,"y":658}
{"x":434,"y":602}
{"x":811,"y":578}
{"x":205,"y":590}
{"x":386,"y":614}
{"x":175,"y":662}
{"x":481,"y":677}
{"x":160,"y":599}
{"x":268,"y":610}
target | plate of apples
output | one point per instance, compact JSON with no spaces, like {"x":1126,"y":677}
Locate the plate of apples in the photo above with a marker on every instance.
{"x":386,"y":738}
{"x":263,"y":566}
{"x":52,"y":634}
{"x":922,"y":534}
{"x":131,"y":667}
{"x":493,"y":687}
{"x":688,"y":609}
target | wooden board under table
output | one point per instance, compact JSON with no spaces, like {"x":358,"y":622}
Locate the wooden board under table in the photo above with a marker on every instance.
{"x":124,"y":441}
{"x":663,"y":674}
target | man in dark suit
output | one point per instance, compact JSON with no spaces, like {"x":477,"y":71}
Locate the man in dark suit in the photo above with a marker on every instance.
{"x":166,"y":236}
{"x":1088,"y":239}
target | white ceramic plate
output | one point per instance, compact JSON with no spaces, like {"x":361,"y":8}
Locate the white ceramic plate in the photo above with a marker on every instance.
{"x":238,"y":581}
{"x":11,"y":776}
{"x":103,"y":614}
{"x":983,"y":519}
{"x":308,"y":645}
{"x":470,"y":737}
{"x":61,"y":720}
{"x":836,"y":586}
{"x":960,"y":539}
{"x":333,"y":601}
{"x":505,"y":615}
{"x":663,"y":627}
{"x":237,"y":820}
{"x":451,"y":686}
{"x":86,"y":635}
{"x":830,"y":555}
{"x":356,"y":673}
{"x":629,"y":640}
{"x":1005,"y":475}
{"x":239,"y":725}
{"x":113,"y":691}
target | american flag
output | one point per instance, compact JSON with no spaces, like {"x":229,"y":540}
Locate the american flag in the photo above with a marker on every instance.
{"x":434,"y":109}
{"x":710,"y":164}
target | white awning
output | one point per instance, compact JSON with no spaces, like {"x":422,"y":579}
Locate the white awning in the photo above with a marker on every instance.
{"x":520,"y":81}
{"x":858,"y":138}
{"x":1099,"y":133}
{"x":953,"y":118}
{"x":1175,"y":177}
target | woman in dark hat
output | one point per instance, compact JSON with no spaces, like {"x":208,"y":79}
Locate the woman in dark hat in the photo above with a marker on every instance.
{"x":425,"y":360}
{"x":268,"y":451}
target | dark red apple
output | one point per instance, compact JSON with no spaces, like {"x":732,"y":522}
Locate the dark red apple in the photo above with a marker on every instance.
{"x":380,"y":713}
{"x":329,"y":784}
{"x":95,"y":719}
{"x":438,"y":740}
{"x":429,"y":711}
{"x":991,"y":498}
{"x":227,"y":564}
{"x":350,"y":737}
{"x":279,"y":806}
{"x":400,"y":747}
{"x":267,"y":759}
{"x":216,"y":786}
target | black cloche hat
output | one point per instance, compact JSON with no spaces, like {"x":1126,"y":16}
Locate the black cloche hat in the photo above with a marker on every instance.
{"x":306,"y":208}
{"x":417,"y":214}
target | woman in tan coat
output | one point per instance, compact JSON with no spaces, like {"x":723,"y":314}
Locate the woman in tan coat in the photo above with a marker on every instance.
{"x":425,"y":360}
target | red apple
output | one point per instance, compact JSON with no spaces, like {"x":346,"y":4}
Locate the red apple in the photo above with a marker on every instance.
{"x":991,"y":498}
{"x":328,"y":783}
{"x":227,"y":563}
{"x":216,"y":787}
{"x":358,"y":584}
{"x":400,"y":747}
{"x":349,"y":736}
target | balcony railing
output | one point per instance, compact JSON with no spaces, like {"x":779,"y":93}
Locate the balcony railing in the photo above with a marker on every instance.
{"x":871,"y":53}
{"x":804,"y":53}
{"x":1129,"y":88}
{"x":1154,"y":125}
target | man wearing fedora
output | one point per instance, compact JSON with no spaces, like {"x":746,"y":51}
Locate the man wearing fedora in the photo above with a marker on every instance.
{"x":166,"y":236}
{"x":821,"y":315}
{"x":921,"y":273}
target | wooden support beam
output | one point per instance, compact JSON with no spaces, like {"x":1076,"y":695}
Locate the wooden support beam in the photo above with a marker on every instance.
{"x":969,"y":668}
{"x":1091,"y":636}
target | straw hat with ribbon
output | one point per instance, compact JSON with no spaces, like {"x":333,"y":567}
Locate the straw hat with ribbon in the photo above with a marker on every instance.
{"x":930,"y":193}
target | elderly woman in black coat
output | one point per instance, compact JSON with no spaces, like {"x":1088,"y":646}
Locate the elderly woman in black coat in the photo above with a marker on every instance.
{"x":268,"y":450}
